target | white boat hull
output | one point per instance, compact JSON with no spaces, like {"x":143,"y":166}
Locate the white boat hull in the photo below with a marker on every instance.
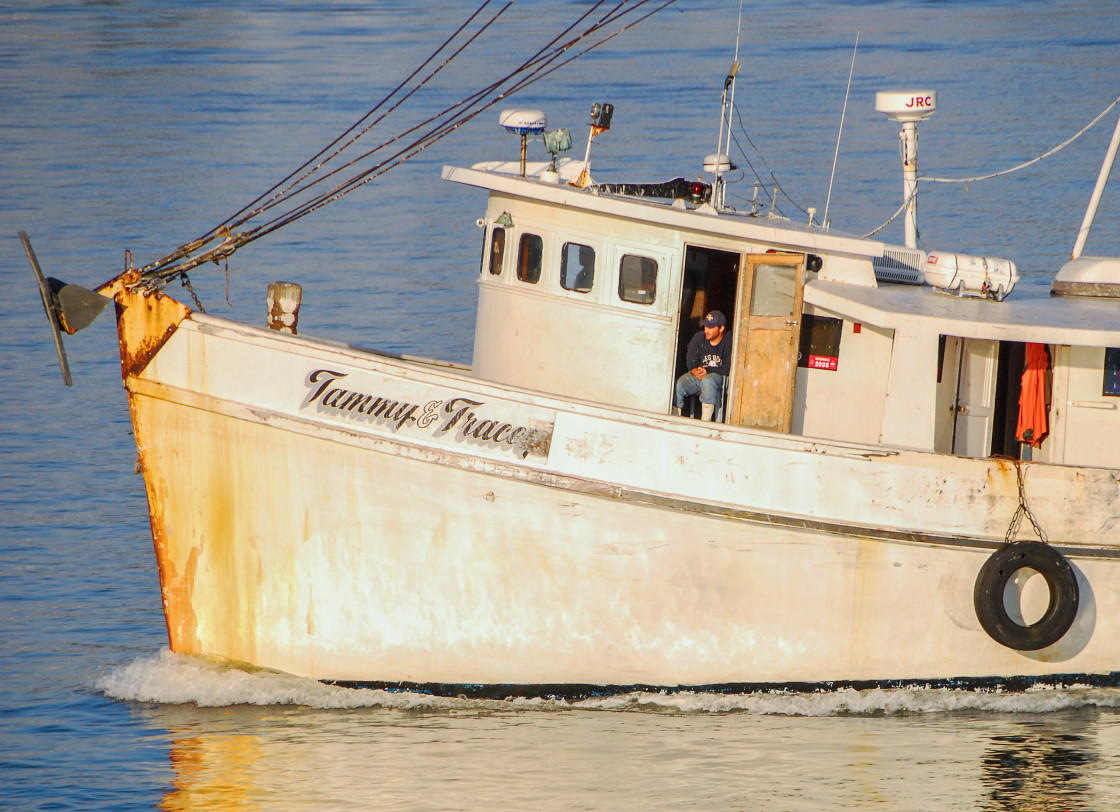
{"x":594,"y":547}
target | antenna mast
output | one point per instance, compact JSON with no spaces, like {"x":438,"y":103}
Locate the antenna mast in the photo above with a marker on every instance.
{"x":908,"y":107}
{"x":720,"y":163}
{"x":843,"y":112}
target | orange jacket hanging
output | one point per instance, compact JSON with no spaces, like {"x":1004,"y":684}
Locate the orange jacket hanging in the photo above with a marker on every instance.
{"x":1033,"y":426}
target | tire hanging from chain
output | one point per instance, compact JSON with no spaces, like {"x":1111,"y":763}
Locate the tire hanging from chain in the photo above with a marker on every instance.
{"x":1004,"y":564}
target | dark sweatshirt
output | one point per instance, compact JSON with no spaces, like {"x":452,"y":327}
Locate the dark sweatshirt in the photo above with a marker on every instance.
{"x":713,"y":358}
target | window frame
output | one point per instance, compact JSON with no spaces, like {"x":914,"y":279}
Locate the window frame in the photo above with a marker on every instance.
{"x":521,"y":245}
{"x":565,"y":245}
{"x":622,"y":257}
{"x":489,"y":254}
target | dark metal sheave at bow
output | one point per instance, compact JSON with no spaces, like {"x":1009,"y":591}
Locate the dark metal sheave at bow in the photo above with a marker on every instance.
{"x":68,"y":307}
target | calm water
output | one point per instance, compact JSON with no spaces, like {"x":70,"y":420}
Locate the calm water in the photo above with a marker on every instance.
{"x":138,"y":125}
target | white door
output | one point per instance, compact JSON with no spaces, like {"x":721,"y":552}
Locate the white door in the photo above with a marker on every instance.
{"x":976,"y":395}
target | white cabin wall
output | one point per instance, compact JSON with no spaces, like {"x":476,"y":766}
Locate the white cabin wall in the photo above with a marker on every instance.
{"x":845,"y":403}
{"x":1085,"y":424}
{"x":909,"y":412}
{"x":536,"y":342}
{"x":586,"y":345}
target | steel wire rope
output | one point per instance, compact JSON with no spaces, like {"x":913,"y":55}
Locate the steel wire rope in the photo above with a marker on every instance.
{"x":160,"y":275}
{"x":384,"y":115}
{"x":192,"y":246}
{"x":441,"y":130}
{"x":610,"y":17}
{"x":897,"y":212}
{"x":1025,"y":164}
{"x":417,"y":146}
{"x":773,"y":177}
{"x":463,"y":103}
{"x":233,"y":241}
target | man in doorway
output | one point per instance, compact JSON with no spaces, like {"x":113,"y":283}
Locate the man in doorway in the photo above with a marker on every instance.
{"x":709,"y":361}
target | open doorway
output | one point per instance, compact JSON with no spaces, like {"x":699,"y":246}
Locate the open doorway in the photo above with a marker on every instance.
{"x":711,"y":279}
{"x":1009,"y":385}
{"x":989,"y":382}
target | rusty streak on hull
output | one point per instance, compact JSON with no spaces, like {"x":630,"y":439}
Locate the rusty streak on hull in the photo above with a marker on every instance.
{"x":145,"y":322}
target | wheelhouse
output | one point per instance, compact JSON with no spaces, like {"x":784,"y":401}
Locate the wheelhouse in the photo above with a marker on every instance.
{"x":594,"y":295}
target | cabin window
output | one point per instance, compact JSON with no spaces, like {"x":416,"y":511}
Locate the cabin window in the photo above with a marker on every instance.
{"x":773,"y":290}
{"x":529,"y":253}
{"x":637,"y":279}
{"x":820,"y":342}
{"x":1111,"y":372}
{"x":497,"y":250}
{"x":577,"y":267}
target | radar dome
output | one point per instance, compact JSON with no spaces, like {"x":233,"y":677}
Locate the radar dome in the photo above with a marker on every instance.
{"x":906,"y":105}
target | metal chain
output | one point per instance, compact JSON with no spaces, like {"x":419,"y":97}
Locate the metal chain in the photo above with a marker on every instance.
{"x":1022,"y":510}
{"x":187,"y":284}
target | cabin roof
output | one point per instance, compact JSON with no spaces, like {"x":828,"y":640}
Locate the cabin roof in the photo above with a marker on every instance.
{"x":777,"y":232}
{"x":1027,"y":316}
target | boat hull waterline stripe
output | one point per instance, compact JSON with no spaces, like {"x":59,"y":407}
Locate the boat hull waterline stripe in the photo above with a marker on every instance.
{"x":576,"y":692}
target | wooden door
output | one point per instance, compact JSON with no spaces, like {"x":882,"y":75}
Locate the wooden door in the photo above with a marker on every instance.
{"x":766,"y":341}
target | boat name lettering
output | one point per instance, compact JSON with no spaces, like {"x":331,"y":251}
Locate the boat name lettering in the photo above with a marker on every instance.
{"x":460,"y":418}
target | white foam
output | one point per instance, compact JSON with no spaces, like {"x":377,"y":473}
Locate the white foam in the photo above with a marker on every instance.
{"x":873,"y":701}
{"x":175,"y":679}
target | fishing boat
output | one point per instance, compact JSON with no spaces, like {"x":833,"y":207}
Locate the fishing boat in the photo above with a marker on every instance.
{"x":910,"y":476}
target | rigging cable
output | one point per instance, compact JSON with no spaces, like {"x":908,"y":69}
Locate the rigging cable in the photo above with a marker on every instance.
{"x":190,"y":247}
{"x":1046,"y":154}
{"x":442,"y":124}
{"x":380,"y":104}
{"x":441,"y":130}
{"x":743,"y":152}
{"x":897,"y":212}
{"x":222,"y":230}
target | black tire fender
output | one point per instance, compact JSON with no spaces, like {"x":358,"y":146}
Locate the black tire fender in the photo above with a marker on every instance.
{"x":1001,"y":566}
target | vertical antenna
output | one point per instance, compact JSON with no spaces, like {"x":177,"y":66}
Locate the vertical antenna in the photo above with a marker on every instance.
{"x":843,"y":112}
{"x":718,"y":163}
{"x":731,"y":78}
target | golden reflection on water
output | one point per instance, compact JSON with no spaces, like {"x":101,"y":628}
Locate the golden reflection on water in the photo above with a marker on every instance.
{"x":213,"y":772}
{"x":246,"y":757}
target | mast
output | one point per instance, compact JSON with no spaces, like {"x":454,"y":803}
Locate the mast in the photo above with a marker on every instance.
{"x":1098,"y":190}
{"x":909,"y":107}
{"x":719,"y":163}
